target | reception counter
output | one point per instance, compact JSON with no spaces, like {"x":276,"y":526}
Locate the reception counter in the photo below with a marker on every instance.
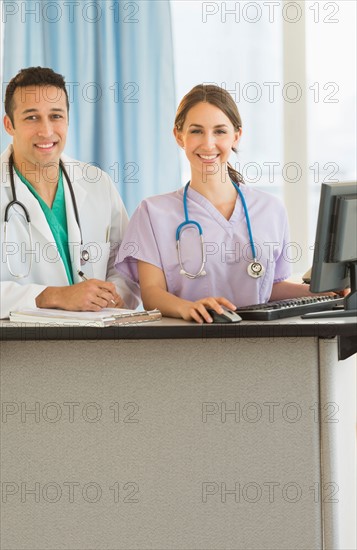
{"x":175,"y":436}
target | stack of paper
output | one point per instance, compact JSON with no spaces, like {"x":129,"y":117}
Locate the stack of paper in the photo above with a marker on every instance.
{"x":105,"y":317}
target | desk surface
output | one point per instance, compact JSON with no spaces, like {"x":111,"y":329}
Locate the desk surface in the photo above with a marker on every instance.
{"x":176,"y":329}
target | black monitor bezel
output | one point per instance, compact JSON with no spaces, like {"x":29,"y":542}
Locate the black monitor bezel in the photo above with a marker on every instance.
{"x":326,"y":275}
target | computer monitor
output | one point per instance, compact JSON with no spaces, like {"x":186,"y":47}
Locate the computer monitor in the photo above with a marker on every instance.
{"x":335,"y":254}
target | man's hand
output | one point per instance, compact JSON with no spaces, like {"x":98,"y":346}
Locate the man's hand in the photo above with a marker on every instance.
{"x":91,"y":295}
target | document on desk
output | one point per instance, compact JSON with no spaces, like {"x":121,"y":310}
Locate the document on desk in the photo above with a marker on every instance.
{"x":104,"y":318}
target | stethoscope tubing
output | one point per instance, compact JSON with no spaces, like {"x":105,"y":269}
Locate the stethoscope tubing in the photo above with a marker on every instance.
{"x":15,"y":202}
{"x":188,"y":222}
{"x":23,"y":207}
{"x":252,"y":246}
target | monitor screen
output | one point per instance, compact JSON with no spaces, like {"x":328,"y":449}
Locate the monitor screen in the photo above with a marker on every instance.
{"x":335,"y":254}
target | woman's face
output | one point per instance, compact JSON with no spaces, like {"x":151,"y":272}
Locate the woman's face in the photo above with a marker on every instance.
{"x":208,"y":137}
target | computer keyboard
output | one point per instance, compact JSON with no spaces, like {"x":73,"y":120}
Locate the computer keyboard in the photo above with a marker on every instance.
{"x":288,"y":308}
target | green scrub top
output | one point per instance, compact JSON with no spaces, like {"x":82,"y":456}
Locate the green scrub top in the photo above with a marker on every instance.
{"x":57,"y":220}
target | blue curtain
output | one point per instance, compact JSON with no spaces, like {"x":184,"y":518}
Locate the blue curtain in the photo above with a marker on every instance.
{"x":117,"y":59}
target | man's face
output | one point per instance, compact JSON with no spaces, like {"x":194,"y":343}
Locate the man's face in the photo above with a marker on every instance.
{"x":40,"y":126}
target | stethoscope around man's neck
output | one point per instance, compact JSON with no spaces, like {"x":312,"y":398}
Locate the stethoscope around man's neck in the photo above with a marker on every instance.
{"x":84,"y":253}
{"x":254,"y":269}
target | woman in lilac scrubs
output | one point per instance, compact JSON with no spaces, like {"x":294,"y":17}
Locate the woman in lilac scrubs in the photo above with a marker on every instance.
{"x":208,"y":127}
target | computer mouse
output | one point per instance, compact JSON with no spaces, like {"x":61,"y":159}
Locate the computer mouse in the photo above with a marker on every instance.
{"x":228,"y":316}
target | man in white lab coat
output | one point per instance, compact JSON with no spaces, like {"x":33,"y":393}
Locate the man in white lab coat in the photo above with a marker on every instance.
{"x":61,"y":237}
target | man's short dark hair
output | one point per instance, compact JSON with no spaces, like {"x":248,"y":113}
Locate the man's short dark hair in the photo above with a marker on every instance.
{"x":32,"y":76}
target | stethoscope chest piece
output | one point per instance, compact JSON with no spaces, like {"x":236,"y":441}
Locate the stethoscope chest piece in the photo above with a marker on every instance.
{"x":84,"y":256}
{"x":255,"y":270}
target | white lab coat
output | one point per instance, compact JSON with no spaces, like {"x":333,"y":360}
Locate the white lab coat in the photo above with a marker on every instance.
{"x":103,"y":220}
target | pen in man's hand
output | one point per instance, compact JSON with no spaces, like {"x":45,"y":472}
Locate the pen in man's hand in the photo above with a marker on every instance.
{"x":84,"y":278}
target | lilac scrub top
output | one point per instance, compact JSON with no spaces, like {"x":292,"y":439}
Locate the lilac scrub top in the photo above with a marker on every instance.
{"x":151,"y":237}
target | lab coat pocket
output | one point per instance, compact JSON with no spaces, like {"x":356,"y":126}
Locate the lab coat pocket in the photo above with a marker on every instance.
{"x":99,"y":256}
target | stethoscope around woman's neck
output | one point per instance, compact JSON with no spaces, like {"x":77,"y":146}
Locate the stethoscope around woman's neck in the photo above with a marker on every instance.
{"x":254,"y":269}
{"x":15,"y":202}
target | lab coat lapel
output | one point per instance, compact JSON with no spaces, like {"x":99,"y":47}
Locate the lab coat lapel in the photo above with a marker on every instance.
{"x":74,"y":234}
